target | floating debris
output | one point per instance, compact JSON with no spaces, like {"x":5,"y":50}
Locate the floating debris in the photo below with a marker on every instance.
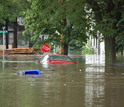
{"x":29,"y":72}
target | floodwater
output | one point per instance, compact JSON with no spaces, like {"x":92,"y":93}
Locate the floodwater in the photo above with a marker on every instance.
{"x":87,"y":84}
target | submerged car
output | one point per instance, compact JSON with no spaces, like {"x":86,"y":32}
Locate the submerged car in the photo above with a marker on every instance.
{"x":57,"y":59}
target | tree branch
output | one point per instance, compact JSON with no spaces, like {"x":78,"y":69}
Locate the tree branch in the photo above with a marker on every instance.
{"x":96,"y":8}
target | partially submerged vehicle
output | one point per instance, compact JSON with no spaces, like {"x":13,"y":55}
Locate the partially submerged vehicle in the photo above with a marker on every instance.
{"x":56,"y":59}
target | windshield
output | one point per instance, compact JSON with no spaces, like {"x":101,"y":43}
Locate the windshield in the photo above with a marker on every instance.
{"x":54,"y":57}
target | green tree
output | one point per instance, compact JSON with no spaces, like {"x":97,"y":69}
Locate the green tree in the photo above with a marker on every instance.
{"x":107,"y":15}
{"x":9,"y":11}
{"x":59,"y":19}
{"x":67,"y":16}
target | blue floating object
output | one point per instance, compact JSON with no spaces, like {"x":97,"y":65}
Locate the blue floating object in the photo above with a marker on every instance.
{"x":32,"y":72}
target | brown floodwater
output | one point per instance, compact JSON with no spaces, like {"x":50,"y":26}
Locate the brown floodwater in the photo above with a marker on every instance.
{"x":87,"y":84}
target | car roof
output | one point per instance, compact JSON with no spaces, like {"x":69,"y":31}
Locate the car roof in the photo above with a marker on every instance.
{"x":56,"y":55}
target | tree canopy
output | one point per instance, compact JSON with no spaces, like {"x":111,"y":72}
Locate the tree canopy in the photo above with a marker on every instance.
{"x":57,"y":17}
{"x":75,"y":18}
{"x":9,"y":11}
{"x":68,"y":21}
{"x":109,"y":17}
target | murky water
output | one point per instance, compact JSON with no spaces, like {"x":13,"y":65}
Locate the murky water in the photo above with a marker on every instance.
{"x":87,"y":84}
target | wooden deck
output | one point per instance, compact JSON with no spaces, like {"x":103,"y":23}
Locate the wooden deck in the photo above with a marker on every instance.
{"x":20,"y":51}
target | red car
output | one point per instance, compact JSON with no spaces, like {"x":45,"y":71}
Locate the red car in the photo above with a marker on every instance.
{"x":57,"y":59}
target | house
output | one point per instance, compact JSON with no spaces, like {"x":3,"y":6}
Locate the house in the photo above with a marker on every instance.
{"x":23,"y":42}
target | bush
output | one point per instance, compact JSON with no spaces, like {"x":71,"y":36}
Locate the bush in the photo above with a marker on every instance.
{"x":88,"y":50}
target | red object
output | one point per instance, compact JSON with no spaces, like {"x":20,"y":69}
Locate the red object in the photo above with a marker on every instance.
{"x":61,"y":62}
{"x":46,"y":48}
{"x":57,"y":59}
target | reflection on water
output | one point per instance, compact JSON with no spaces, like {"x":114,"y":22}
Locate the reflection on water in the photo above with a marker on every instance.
{"x":87,"y":84}
{"x":95,"y":78}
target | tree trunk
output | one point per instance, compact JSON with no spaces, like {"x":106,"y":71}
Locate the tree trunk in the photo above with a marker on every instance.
{"x":122,"y":52}
{"x":63,"y":45}
{"x":65,"y":49}
{"x":15,"y":45}
{"x":7,"y":38}
{"x":110,"y":52}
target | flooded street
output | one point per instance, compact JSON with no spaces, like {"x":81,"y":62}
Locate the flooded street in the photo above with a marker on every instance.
{"x":87,"y":84}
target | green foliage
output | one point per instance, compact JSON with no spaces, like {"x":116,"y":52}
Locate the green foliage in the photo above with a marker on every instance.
{"x":37,"y":46}
{"x":11,"y":9}
{"x":88,"y":49}
{"x":120,"y":44}
{"x":104,"y":15}
{"x":8,"y":10}
{"x":44,"y":18}
{"x":108,"y":16}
